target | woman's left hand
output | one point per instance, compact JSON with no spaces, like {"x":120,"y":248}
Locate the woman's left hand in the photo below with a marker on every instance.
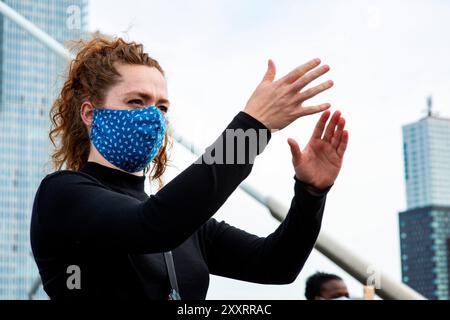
{"x":320,"y":162}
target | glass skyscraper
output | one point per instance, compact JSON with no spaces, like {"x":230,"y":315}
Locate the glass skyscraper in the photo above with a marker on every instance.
{"x":30,"y":78}
{"x":426,"y":146}
{"x":425,"y":225}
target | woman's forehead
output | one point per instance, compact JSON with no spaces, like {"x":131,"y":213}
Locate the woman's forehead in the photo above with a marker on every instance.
{"x":143,"y":79}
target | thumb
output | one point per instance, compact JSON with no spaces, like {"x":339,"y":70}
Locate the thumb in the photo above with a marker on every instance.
{"x":295,"y":150}
{"x":270,"y":73}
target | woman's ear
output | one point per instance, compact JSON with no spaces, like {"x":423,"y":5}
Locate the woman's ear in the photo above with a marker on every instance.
{"x":87,"y":113}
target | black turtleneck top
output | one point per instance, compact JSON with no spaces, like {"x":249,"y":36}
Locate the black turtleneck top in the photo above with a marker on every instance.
{"x":100,"y":220}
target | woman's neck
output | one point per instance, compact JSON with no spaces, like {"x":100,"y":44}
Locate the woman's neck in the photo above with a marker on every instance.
{"x":95,"y":156}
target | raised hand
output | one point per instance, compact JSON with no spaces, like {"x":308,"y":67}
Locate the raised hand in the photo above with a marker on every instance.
{"x":278,"y":103}
{"x":321,"y":160}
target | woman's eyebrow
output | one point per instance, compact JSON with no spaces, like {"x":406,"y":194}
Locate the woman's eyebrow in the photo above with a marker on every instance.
{"x":142,"y":95}
{"x":147,"y":96}
{"x":165,"y":101}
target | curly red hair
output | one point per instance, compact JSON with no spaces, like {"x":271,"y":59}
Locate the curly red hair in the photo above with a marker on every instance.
{"x":90,"y":75}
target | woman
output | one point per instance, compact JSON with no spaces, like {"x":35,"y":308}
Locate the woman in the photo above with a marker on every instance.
{"x":96,"y":233}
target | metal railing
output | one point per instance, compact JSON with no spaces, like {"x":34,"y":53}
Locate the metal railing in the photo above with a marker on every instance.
{"x":332,"y":249}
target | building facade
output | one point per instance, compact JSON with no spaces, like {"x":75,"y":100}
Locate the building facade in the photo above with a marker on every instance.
{"x":30,"y":78}
{"x":425,"y":225}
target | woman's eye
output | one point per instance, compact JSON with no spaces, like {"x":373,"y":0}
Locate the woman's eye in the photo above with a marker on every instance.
{"x":136,"y":101}
{"x":163,"y":108}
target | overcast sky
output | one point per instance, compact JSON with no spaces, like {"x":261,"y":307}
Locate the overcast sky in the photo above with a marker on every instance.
{"x":385,"y":58}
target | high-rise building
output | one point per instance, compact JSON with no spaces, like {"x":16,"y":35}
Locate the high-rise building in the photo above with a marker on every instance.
{"x":30,"y":78}
{"x":425,"y":225}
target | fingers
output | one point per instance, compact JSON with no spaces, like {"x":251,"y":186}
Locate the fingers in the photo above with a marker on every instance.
{"x":305,"y":111}
{"x":271,"y":71}
{"x":309,"y":77}
{"x":300,"y":71}
{"x":320,"y":126}
{"x":342,"y":144}
{"x":308,"y":94}
{"x":295,"y":150}
{"x":338,"y":133}
{"x":335,"y":133}
{"x":331,"y":126}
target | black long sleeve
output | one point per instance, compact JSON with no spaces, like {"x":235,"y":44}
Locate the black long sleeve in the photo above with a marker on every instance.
{"x":101,"y":220}
{"x":73,"y":207}
{"x":275,"y":259}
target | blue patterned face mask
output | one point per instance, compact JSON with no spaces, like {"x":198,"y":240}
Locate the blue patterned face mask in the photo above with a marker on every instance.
{"x":129,"y":139}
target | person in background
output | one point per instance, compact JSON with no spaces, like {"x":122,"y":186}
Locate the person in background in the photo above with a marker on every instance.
{"x":325,"y":286}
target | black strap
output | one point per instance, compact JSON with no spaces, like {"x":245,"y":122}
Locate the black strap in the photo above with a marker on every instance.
{"x":175,"y":292}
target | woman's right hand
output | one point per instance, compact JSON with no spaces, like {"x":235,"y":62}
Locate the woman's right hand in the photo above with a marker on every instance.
{"x":278,"y":103}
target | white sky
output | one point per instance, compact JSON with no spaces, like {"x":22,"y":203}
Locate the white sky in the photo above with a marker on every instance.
{"x":385,"y":58}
